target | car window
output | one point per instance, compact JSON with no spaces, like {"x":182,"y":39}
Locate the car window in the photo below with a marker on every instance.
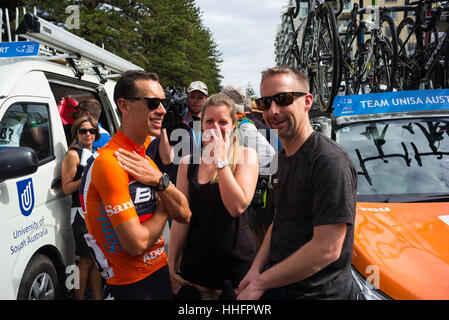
{"x":26,"y":125}
{"x":399,"y":157}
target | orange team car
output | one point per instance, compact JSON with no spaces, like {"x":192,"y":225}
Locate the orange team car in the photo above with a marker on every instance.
{"x":399,"y":143}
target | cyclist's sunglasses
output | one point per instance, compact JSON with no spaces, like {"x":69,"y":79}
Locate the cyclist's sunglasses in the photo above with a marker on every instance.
{"x":282,"y":99}
{"x":85,"y":131}
{"x":152,"y":103}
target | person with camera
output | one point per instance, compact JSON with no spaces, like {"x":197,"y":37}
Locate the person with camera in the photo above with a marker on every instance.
{"x":253,"y":134}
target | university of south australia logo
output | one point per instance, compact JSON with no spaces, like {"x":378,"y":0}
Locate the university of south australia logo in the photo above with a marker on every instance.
{"x":25,"y":192}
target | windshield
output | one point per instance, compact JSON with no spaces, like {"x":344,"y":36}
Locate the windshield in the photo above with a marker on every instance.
{"x":399,"y":160}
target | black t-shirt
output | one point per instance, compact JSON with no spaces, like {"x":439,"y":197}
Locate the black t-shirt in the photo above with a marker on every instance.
{"x":315,"y":186}
{"x":218,"y":246}
{"x":182,"y":138}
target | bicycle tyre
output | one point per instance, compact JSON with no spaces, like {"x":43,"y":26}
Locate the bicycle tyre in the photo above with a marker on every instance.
{"x":385,"y":59}
{"x":327,"y":73}
{"x":408,"y":71}
{"x":306,"y":52}
{"x":291,"y":58}
{"x":350,"y":60}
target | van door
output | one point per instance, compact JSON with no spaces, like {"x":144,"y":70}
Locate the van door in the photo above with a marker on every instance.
{"x":34,"y":212}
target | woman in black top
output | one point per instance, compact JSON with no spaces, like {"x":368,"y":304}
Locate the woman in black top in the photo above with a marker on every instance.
{"x":85,"y":131}
{"x":216,"y":245}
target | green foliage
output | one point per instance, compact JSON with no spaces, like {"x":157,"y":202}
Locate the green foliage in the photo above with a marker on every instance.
{"x":166,"y":37}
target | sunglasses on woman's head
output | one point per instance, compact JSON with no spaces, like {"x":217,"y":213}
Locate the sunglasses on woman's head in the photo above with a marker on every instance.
{"x":152,"y":103}
{"x":85,"y":131}
{"x":282,"y":99}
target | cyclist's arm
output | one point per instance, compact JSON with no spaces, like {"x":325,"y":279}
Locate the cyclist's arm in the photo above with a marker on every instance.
{"x":146,"y":172}
{"x":137,"y":238}
{"x":111,"y":182}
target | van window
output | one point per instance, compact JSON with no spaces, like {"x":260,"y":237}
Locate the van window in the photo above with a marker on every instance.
{"x":26,"y":125}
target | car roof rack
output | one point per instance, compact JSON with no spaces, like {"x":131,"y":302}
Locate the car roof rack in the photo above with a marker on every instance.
{"x":80,"y":54}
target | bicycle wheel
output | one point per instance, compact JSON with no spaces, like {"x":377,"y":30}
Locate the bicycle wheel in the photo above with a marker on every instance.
{"x":328,"y":75}
{"x":291,"y":58}
{"x":408,"y":73}
{"x":385,"y":58}
{"x":306,"y":54}
{"x":350,"y":60}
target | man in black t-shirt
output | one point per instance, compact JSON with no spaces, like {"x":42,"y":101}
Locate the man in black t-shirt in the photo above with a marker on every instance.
{"x":309,"y":245}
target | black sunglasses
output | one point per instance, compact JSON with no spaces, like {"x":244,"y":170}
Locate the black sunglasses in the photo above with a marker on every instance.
{"x":282,"y":99}
{"x":152,"y":103}
{"x":84,"y":131}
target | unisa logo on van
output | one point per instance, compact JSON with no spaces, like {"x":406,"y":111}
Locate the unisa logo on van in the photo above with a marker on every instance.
{"x":25,"y":193}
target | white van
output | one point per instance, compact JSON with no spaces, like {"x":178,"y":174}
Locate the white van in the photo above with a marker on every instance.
{"x":37,"y":243}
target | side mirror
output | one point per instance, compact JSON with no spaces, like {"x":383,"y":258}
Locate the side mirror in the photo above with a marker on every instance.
{"x":17,"y":162}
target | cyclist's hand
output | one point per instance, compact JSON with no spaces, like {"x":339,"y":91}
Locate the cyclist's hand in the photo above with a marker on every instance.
{"x":140,"y":168}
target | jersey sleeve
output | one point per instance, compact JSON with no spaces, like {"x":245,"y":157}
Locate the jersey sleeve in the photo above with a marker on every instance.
{"x":112,"y":185}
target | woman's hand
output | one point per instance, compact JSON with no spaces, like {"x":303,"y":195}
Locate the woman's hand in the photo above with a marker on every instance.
{"x":140,"y":168}
{"x":219,"y":144}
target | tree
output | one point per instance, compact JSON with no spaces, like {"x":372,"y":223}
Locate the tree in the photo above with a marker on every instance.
{"x":250,"y":91}
{"x":166,"y":37}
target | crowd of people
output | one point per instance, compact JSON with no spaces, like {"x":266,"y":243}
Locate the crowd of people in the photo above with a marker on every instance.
{"x":240,"y":226}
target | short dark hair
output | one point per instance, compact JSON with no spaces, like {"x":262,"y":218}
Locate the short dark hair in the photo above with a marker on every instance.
{"x":126,"y":87}
{"x":79,"y":122}
{"x":91,"y":105}
{"x":296,"y":73}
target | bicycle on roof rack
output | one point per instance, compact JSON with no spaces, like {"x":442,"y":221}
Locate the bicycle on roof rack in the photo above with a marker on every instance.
{"x":370,"y":51}
{"x":320,"y":53}
{"x":423,"y":46}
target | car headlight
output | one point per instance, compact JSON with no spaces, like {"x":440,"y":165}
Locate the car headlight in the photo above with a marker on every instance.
{"x":369,"y":291}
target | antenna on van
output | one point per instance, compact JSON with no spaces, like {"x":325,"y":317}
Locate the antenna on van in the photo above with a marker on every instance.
{"x":48,"y":34}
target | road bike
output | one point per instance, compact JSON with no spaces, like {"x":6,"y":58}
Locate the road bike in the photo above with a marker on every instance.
{"x":423,"y":46}
{"x":319,"y":55}
{"x":369,"y":51}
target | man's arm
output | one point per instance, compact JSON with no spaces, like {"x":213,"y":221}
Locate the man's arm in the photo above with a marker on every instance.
{"x":175,"y":203}
{"x":323,"y":249}
{"x":136,"y":238}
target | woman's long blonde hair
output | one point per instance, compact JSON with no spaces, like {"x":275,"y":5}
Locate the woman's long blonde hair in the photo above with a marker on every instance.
{"x":216,"y":100}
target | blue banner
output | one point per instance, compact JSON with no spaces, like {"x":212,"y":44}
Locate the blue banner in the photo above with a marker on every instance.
{"x":398,"y":101}
{"x":18,"y":49}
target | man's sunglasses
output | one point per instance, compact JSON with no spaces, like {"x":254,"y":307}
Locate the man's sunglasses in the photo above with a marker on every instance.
{"x":282,"y":99}
{"x":85,"y":131}
{"x":152,"y":103}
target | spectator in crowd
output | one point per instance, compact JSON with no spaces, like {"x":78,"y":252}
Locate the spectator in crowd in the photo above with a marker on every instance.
{"x":127,"y":200}
{"x":163,"y":147}
{"x":253,"y":134}
{"x":92,"y":108}
{"x":216,"y":245}
{"x":309,"y":244}
{"x":85,"y":131}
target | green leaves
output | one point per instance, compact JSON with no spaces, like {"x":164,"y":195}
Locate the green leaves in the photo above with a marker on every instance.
{"x":166,"y":37}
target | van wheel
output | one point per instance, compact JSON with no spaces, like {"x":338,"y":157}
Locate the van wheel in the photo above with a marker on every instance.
{"x":40,"y":280}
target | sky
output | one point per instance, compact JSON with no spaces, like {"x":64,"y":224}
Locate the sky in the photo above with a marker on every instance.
{"x":244,"y":31}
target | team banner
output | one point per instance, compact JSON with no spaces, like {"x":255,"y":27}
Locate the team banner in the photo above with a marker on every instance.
{"x":19,"y":49}
{"x":398,"y":101}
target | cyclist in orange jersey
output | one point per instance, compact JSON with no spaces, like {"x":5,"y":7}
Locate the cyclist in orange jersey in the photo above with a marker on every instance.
{"x":127,"y":200}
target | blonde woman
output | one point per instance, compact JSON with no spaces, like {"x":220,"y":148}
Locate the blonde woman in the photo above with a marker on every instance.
{"x":216,"y":245}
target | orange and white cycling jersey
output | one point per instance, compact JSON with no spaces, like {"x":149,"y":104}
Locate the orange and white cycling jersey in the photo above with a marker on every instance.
{"x":109,"y":197}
